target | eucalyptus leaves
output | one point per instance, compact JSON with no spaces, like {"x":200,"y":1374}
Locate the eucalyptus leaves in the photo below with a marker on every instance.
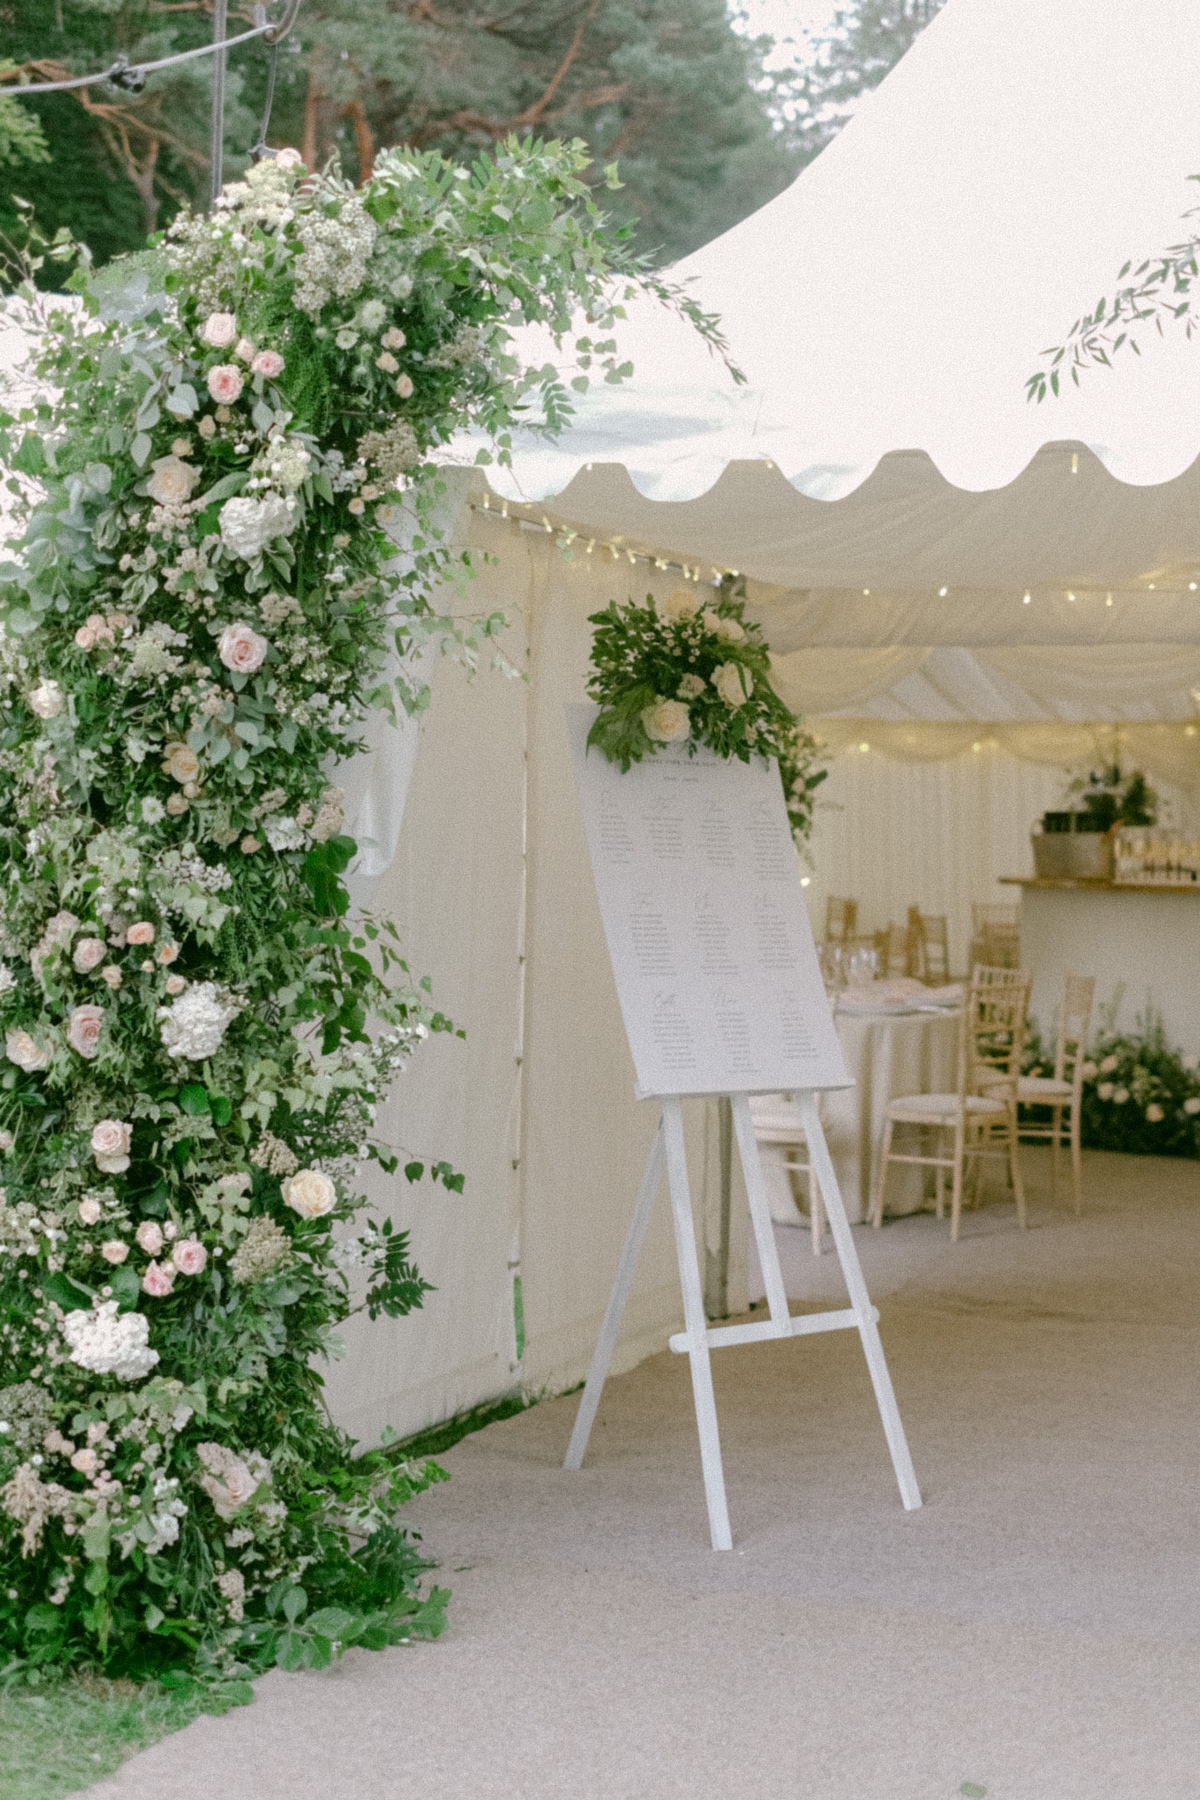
{"x":200,"y":609}
{"x":677,"y":671}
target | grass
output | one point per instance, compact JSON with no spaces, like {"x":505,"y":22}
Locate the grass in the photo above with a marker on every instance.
{"x":61,"y":1738}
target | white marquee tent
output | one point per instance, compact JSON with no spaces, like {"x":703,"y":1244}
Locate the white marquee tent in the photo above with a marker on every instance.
{"x":942,"y":569}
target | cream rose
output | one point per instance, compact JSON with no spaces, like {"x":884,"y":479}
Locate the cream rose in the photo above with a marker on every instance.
{"x":691,"y":686}
{"x":682,"y":604}
{"x":114,"y":1251}
{"x":667,"y":722}
{"x":84,"y":1028}
{"x":404,"y":386}
{"x":219,"y":330}
{"x":89,"y":954}
{"x":731,"y":683}
{"x":110,"y":1145}
{"x":245,"y":351}
{"x":24,"y":1050}
{"x":224,"y":383}
{"x":241,"y":648}
{"x":172,"y":481}
{"x":728,"y":630}
{"x":141,"y":933}
{"x":181,"y":762}
{"x":310,"y":1193}
{"x":89,"y":1210}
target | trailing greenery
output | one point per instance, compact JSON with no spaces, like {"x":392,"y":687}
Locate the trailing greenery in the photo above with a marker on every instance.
{"x":676,"y":671}
{"x":203,"y":603}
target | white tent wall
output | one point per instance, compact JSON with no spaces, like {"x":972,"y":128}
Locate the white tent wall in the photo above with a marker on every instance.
{"x":536,"y":1107}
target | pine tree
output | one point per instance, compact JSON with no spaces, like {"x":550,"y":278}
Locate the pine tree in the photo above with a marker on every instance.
{"x":864,"y":43}
{"x":667,"y":88}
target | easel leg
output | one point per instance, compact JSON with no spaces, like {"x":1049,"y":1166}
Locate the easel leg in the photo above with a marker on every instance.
{"x":606,"y":1342}
{"x":696,"y":1325}
{"x":760,"y":1213}
{"x":860,"y":1300}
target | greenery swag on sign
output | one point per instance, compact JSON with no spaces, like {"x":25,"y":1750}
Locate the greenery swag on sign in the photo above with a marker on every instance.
{"x":675,"y":671}
{"x":201,"y":611}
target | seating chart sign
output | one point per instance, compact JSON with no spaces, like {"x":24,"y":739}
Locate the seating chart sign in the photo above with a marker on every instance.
{"x":707,"y":931}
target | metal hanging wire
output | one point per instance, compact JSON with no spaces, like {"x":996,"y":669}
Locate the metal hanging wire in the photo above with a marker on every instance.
{"x":132,"y":76}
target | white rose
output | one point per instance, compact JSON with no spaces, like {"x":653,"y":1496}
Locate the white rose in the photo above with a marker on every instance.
{"x":310,"y":1193}
{"x":219,"y":330}
{"x":172,"y":481}
{"x":47,"y":699}
{"x":731,"y":683}
{"x":728,"y":630}
{"x":667,"y":722}
{"x":679,"y":605}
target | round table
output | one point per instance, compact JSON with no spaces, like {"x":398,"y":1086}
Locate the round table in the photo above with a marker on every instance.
{"x":886,"y":1054}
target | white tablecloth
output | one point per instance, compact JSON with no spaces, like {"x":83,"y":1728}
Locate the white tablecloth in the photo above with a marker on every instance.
{"x":887,"y":1055}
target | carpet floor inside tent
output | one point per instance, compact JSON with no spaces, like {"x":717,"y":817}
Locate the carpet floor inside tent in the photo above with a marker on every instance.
{"x":1032,"y":1633}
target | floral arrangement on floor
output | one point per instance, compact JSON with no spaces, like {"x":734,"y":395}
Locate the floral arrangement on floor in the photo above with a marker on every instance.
{"x":201,"y":607}
{"x":678,"y":671}
{"x":1139,"y":1095}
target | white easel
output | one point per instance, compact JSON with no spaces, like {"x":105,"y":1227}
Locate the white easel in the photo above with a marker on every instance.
{"x":667,"y":1154}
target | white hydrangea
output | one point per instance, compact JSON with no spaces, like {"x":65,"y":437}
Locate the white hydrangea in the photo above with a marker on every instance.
{"x":283,"y":833}
{"x":248,"y":526}
{"x":194,"y":1025}
{"x":110,"y":1343}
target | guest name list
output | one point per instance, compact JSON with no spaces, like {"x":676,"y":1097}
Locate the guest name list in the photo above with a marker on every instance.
{"x":707,"y":930}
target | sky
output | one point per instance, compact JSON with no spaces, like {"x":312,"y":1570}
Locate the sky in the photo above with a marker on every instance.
{"x":789,"y":22}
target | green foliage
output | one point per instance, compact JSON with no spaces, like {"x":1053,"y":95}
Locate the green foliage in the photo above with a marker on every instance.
{"x":202,"y":603}
{"x":676,"y":671}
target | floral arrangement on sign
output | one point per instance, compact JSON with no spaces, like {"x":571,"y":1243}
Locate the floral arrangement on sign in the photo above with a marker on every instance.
{"x":197,"y":1033}
{"x":676,"y":671}
{"x":1139,"y":1095}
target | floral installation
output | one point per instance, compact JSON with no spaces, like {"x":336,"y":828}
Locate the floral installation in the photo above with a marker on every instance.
{"x":202,"y":604}
{"x":1140,"y":1095}
{"x":679,"y":670}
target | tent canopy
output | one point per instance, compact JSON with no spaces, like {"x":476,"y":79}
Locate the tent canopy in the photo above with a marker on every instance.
{"x":898,"y":294}
{"x":1023,"y":563}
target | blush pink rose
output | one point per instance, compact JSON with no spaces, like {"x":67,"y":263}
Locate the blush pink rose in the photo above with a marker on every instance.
{"x":219,"y":329}
{"x":149,"y":1236}
{"x":224,"y":383}
{"x":89,"y":1210}
{"x":404,"y":386}
{"x":89,"y":953}
{"x":85,"y":637}
{"x":241,"y":648}
{"x":245,"y":351}
{"x":141,"y":933}
{"x":158,"y":1281}
{"x":268,"y":363}
{"x":114,"y":1251}
{"x":189,"y":1256}
{"x":84,"y":1028}
{"x":110,"y":1145}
